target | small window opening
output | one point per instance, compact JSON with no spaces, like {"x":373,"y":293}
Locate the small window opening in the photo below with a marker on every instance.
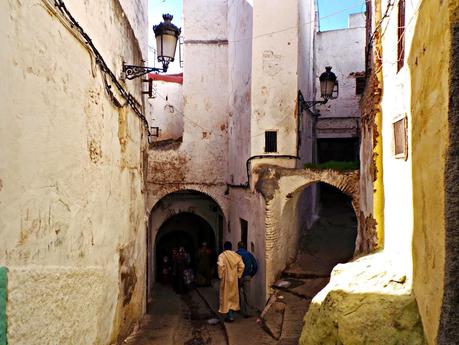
{"x":400,"y":138}
{"x":270,"y":141}
{"x":401,"y":35}
{"x":244,"y":230}
{"x":359,"y":85}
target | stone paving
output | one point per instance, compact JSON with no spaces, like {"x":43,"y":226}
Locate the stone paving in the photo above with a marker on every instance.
{"x":247,"y":331}
{"x":327,"y":243}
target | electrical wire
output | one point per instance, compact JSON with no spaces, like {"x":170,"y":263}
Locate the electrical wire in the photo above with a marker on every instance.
{"x":77,"y":31}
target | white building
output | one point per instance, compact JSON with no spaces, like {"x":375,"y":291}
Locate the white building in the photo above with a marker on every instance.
{"x":72,"y":211}
{"x":339,"y":122}
{"x":232,"y":147}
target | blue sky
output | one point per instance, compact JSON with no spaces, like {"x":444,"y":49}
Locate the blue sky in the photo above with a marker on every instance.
{"x":156,"y":8}
{"x":334,"y":13}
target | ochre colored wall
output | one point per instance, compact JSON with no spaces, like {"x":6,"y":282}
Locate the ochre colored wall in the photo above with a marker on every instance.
{"x":429,"y":62}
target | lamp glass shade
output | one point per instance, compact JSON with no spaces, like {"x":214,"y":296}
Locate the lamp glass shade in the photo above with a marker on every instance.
{"x":327,"y":83}
{"x":166,"y":35}
{"x":326,"y":88}
{"x":166,"y":46}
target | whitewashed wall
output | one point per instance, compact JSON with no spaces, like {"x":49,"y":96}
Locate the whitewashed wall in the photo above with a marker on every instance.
{"x":72,"y":209}
{"x":344,"y":50}
{"x":274,"y":76}
{"x":166,"y":110}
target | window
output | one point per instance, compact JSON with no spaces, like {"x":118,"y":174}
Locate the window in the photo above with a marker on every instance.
{"x":400,"y":138}
{"x":359,"y":85}
{"x":270,"y":141}
{"x":244,"y":230}
{"x":401,"y":35}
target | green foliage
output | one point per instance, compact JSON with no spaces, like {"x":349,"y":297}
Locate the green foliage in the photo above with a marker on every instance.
{"x":334,"y":165}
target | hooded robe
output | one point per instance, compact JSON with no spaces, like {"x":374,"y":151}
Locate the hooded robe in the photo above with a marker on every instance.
{"x":230,"y":268}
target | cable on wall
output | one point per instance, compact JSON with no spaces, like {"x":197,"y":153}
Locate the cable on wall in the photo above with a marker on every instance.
{"x":75,"y":28}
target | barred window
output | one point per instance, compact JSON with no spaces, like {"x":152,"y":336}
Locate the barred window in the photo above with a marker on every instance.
{"x":270,"y":141}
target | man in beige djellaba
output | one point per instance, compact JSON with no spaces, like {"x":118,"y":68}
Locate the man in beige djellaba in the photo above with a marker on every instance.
{"x":230,"y":269}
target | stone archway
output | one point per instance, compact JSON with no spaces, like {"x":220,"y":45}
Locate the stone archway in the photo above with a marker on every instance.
{"x":186,"y":230}
{"x":196,"y":205}
{"x":278,"y":185}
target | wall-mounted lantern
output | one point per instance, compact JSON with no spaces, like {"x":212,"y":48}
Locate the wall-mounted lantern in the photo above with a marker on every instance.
{"x":167,"y":35}
{"x":328,"y":84}
{"x":328,"y":89}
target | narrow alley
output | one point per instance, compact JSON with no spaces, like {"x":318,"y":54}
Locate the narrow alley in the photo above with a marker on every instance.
{"x":192,"y":318}
{"x":229,"y":172}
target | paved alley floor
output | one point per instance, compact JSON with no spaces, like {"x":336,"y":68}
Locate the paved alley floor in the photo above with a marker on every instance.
{"x":183,"y":319}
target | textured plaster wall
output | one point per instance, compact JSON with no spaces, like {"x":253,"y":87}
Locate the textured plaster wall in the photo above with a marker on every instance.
{"x":395,"y":104}
{"x":357,"y":20}
{"x":240,"y":13}
{"x":166,"y":110}
{"x":306,"y":40}
{"x":274,"y":76}
{"x":72,"y":210}
{"x":431,"y":51}
{"x":281,"y":188}
{"x":344,"y":50}
{"x":369,"y":139}
{"x":205,"y":71}
{"x":250,"y":207}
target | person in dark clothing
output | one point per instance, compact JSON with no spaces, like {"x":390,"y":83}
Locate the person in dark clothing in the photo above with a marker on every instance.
{"x":204,"y":266}
{"x":166,"y":271}
{"x":181,"y":263}
{"x":250,"y":269}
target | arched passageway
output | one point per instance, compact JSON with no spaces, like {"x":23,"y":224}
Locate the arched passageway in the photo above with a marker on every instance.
{"x":185,"y":230}
{"x":330,"y":239}
{"x":321,"y":225}
{"x":184,"y":218}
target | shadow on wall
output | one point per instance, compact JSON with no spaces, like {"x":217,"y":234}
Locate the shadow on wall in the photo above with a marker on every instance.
{"x":329,"y":237}
{"x":435,"y":110}
{"x":343,"y":317}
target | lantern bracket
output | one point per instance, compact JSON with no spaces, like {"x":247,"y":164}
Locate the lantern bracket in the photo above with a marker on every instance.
{"x":132,"y":71}
{"x":308,"y":104}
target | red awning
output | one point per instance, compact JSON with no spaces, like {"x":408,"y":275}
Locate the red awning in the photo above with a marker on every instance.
{"x":169,"y":78}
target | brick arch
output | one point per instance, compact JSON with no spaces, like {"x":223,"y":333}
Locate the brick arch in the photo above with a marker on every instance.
{"x":346,"y":182}
{"x":278,"y":185}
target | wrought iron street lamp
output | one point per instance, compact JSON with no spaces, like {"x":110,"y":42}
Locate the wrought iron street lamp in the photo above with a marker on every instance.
{"x":328,"y":89}
{"x":167,"y":35}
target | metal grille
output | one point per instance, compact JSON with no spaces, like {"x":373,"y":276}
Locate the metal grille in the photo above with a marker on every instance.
{"x":270,"y":141}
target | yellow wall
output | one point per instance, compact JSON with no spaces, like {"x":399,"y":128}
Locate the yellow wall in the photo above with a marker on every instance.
{"x":429,"y":62}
